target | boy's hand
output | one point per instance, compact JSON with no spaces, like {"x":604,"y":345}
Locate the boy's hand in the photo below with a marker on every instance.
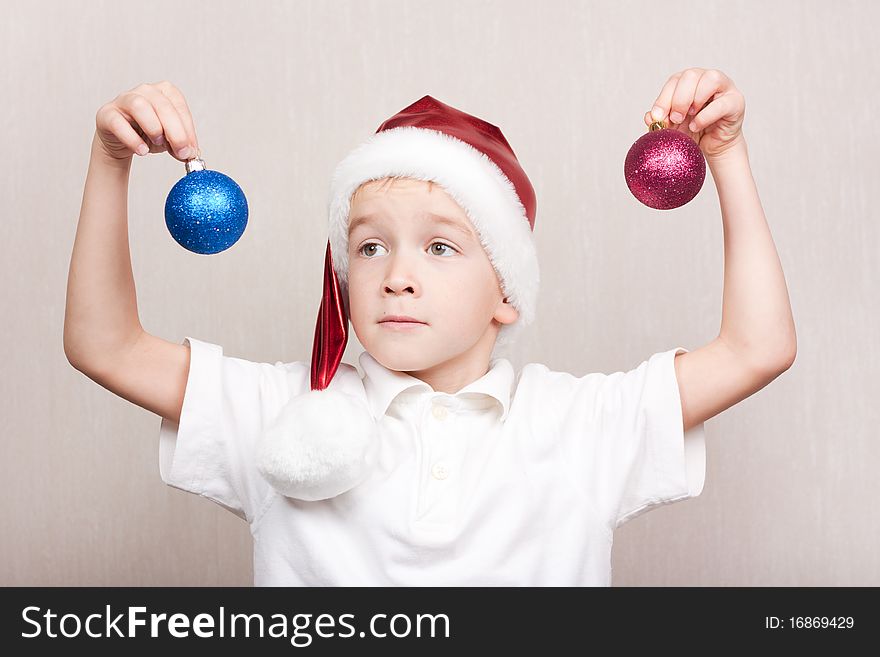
{"x":707,"y":100}
{"x":151,"y":117}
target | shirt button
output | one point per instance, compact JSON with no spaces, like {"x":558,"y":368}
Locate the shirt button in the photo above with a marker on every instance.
{"x":440,"y":471}
{"x":440,"y":412}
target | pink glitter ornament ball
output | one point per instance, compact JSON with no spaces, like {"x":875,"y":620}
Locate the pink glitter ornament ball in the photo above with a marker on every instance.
{"x":665,"y":168}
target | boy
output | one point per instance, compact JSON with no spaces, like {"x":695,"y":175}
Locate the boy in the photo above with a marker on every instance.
{"x":439,"y":466}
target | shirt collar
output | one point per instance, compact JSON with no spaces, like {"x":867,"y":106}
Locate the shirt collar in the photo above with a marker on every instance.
{"x":382,"y":385}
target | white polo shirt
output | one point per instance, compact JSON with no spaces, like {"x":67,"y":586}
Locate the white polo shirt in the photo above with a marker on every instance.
{"x":512,"y":481}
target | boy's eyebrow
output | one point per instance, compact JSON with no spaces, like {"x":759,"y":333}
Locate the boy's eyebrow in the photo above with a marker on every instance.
{"x":440,"y":219}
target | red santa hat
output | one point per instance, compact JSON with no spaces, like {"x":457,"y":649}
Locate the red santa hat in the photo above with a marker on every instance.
{"x":324,"y":441}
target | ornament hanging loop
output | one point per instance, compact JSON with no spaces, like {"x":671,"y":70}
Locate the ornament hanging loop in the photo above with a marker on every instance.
{"x":195,"y":164}
{"x":657,"y":125}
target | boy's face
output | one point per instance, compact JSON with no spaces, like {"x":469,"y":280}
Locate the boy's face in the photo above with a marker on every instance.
{"x":402,"y":261}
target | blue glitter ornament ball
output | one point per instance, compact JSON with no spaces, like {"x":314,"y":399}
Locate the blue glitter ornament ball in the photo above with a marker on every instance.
{"x":206,"y":211}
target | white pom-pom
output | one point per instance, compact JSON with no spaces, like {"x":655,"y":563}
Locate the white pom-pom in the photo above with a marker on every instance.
{"x":321,"y":444}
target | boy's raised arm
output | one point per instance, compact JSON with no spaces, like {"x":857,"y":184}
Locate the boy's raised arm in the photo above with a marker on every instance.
{"x":103,"y":335}
{"x":101,"y":316}
{"x":757,"y":340}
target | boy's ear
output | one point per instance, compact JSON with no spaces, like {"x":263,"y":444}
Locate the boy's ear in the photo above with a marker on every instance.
{"x":508,"y":314}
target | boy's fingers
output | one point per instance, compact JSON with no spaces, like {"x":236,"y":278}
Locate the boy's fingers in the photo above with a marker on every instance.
{"x":180,"y":104}
{"x":683,"y":96}
{"x":711,"y":113}
{"x":664,"y":100}
{"x":172,"y":124}
{"x":119,"y":126}
{"x":711,"y":82}
{"x":142,"y":112}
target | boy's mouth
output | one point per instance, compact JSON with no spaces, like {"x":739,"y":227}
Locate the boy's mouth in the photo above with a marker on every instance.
{"x":400,"y":319}
{"x":402,"y":326}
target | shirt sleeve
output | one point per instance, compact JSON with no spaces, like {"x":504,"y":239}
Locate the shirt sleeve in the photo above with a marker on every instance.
{"x":652,"y":460}
{"x":622,"y":437}
{"x":227,"y":401}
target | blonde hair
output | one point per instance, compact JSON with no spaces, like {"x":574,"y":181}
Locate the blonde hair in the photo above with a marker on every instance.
{"x":387,"y":181}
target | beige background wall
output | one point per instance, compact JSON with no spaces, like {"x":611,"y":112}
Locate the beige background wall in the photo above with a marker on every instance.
{"x":281,"y":91}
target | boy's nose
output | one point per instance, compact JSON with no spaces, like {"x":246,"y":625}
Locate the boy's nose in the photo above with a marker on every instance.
{"x":396,"y":287}
{"x":399,"y":279}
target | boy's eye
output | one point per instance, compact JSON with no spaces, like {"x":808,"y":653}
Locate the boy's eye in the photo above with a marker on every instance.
{"x":366,"y":246}
{"x":446,"y":246}
{"x":362,"y":250}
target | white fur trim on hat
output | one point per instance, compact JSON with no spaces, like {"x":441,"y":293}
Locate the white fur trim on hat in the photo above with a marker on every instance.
{"x":472,"y":179}
{"x":323,"y":443}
